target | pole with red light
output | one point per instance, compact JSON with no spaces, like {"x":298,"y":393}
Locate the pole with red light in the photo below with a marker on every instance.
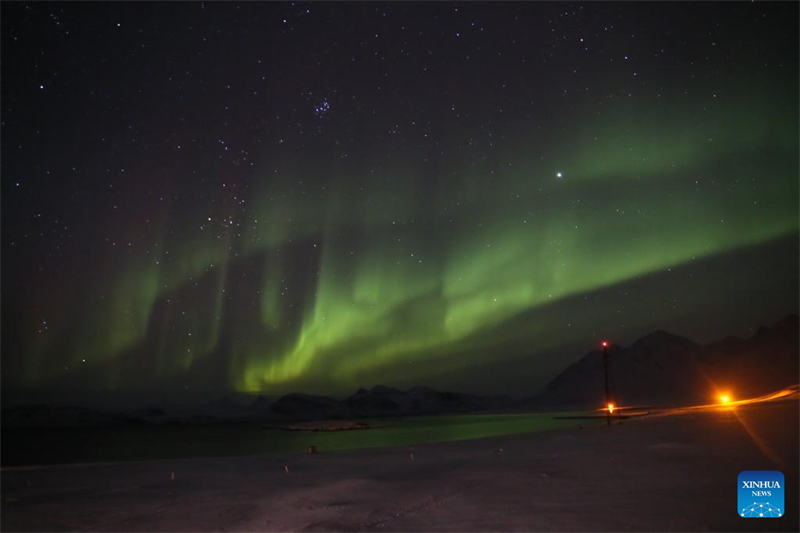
{"x":609,"y":403}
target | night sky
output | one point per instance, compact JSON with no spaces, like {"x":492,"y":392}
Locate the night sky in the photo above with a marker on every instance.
{"x":275,"y":197}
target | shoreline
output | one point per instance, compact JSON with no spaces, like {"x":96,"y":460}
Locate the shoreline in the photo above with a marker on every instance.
{"x":664,"y":473}
{"x":31,"y":447}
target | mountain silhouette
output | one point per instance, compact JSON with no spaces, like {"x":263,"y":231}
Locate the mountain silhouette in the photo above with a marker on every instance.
{"x":663,"y":367}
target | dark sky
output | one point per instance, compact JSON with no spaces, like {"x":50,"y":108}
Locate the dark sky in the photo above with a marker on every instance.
{"x":275,"y":197}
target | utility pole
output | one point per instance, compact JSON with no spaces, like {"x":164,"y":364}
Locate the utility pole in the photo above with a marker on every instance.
{"x":609,"y":403}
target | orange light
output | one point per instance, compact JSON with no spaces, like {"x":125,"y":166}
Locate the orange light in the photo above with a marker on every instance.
{"x":724,"y":398}
{"x":611,"y":408}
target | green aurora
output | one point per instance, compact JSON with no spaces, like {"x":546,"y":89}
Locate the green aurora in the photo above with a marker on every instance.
{"x":400,"y":275}
{"x":408,"y":261}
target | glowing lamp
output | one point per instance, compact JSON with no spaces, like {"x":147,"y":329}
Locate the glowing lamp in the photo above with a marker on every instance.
{"x":604,"y":344}
{"x":611,"y":408}
{"x":724,"y":398}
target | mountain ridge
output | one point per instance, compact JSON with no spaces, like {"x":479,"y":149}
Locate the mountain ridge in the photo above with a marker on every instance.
{"x":664,"y":367}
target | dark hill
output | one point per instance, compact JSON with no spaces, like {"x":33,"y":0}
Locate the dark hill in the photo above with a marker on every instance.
{"x":384,"y":401}
{"x":765,"y":362}
{"x":308,"y":407}
{"x":381,"y":401}
{"x":662,"y":367}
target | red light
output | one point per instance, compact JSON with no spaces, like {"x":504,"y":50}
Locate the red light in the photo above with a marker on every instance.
{"x":604,"y":344}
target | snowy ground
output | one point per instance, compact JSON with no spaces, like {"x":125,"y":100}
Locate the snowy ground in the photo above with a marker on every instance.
{"x":666,"y":473}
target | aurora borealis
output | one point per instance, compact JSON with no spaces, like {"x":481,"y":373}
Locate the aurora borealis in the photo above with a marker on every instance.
{"x":275,"y":197}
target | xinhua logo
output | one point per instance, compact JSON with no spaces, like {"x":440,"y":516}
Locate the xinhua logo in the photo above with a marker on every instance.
{"x":760,"y":494}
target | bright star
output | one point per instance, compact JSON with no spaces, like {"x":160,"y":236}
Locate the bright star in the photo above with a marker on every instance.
{"x":558,"y":174}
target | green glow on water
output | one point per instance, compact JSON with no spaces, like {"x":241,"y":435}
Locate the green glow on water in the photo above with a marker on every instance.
{"x":34,"y":446}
